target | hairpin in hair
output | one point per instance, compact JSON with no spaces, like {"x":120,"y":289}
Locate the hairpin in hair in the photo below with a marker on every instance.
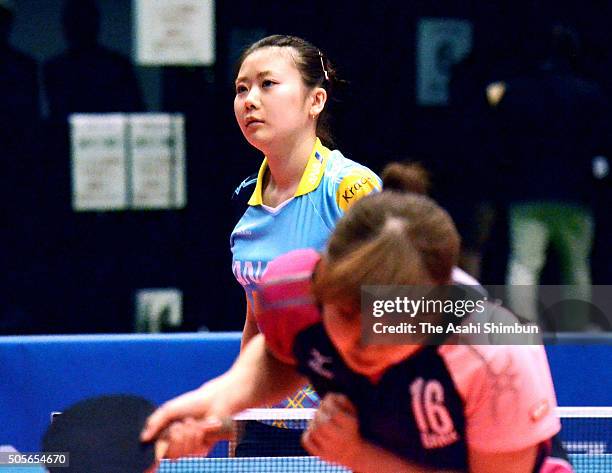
{"x":323,"y":66}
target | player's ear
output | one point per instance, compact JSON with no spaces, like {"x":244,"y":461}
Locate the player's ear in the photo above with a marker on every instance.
{"x":318,"y":98}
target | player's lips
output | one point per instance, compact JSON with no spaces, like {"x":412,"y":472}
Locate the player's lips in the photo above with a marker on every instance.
{"x":251,"y":121}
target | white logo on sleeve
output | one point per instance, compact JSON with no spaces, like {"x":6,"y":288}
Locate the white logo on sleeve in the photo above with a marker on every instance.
{"x":317,"y":364}
{"x":432,"y":417}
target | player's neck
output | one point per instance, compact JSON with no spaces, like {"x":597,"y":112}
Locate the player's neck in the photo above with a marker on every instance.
{"x":287,"y":163}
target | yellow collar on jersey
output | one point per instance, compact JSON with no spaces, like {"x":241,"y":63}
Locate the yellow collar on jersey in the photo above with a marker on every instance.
{"x":311,"y":178}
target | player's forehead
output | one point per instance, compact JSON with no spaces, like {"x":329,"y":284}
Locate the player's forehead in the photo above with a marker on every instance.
{"x":270,"y":59}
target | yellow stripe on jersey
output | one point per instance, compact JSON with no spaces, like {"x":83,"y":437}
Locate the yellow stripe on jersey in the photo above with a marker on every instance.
{"x":311,"y":178}
{"x":314,"y":169}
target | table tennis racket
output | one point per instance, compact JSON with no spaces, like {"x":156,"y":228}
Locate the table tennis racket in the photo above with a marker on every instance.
{"x":102,"y":435}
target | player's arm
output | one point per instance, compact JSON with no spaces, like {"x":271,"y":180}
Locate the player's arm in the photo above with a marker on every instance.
{"x":334,"y":436}
{"x":262,"y":377}
{"x":250,"y":326}
{"x":256,"y":378}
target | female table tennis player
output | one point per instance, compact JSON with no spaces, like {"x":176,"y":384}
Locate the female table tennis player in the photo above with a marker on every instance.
{"x":283,"y":87}
{"x":385,"y":408}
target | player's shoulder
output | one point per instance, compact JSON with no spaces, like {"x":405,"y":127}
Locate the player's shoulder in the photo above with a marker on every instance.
{"x":350,"y":180}
{"x":475,"y":368}
{"x":339,"y":166}
{"x":284,"y":304}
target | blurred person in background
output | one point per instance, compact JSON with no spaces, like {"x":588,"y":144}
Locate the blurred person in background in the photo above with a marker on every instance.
{"x":551,"y":123}
{"x":86,"y":269}
{"x":88,"y":77}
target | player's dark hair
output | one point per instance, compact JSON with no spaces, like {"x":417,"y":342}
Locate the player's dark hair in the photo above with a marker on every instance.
{"x":314,"y":66}
{"x":395,"y":237}
{"x":406,"y":177}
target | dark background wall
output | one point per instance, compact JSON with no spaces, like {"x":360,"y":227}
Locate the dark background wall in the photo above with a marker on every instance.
{"x":79,"y":271}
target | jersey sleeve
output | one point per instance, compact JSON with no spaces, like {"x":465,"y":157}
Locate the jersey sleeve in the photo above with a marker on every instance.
{"x":354,"y":185}
{"x":508,"y":394}
{"x":284,"y":304}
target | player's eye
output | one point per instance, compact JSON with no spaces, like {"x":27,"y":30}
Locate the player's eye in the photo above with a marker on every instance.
{"x":240,"y":88}
{"x":267,"y":83}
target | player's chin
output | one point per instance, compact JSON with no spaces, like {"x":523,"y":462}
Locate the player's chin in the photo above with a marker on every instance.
{"x":256,"y":138}
{"x":370,"y":370}
{"x":367,"y":365}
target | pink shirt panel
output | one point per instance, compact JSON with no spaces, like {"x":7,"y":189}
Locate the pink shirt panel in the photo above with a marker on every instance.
{"x":508,"y":394}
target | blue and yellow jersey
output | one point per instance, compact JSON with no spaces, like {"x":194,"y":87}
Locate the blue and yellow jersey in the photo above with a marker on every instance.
{"x":330,"y":184}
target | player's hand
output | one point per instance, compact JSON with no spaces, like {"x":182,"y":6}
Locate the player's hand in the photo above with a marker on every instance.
{"x":192,"y":404}
{"x":186,"y":425}
{"x":190,"y":437}
{"x":333,"y":434}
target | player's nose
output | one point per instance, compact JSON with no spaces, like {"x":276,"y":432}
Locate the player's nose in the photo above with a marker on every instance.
{"x":252,"y":99}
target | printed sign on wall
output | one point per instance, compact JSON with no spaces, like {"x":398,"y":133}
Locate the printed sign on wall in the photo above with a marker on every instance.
{"x":128,"y":161}
{"x":158,"y":161}
{"x":98,"y":162}
{"x":175,"y":32}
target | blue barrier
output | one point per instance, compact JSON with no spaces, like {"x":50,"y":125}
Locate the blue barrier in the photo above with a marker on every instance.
{"x":582,"y":374}
{"x":43,"y":374}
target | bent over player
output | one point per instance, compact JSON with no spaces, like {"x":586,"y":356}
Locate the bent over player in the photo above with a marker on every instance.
{"x":385,"y":408}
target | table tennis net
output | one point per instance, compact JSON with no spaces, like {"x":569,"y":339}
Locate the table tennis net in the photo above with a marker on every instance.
{"x":586,"y":434}
{"x":264,"y":440}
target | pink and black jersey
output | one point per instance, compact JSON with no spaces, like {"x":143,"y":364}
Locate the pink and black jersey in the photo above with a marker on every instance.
{"x":431,"y":407}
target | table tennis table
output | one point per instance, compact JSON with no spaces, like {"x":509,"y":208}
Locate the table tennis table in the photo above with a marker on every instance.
{"x":582,"y":463}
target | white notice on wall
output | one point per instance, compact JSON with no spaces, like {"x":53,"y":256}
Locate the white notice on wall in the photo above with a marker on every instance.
{"x":98,"y":162}
{"x":158,"y":309}
{"x":441,"y":43}
{"x":175,"y":32}
{"x":157,"y":152}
